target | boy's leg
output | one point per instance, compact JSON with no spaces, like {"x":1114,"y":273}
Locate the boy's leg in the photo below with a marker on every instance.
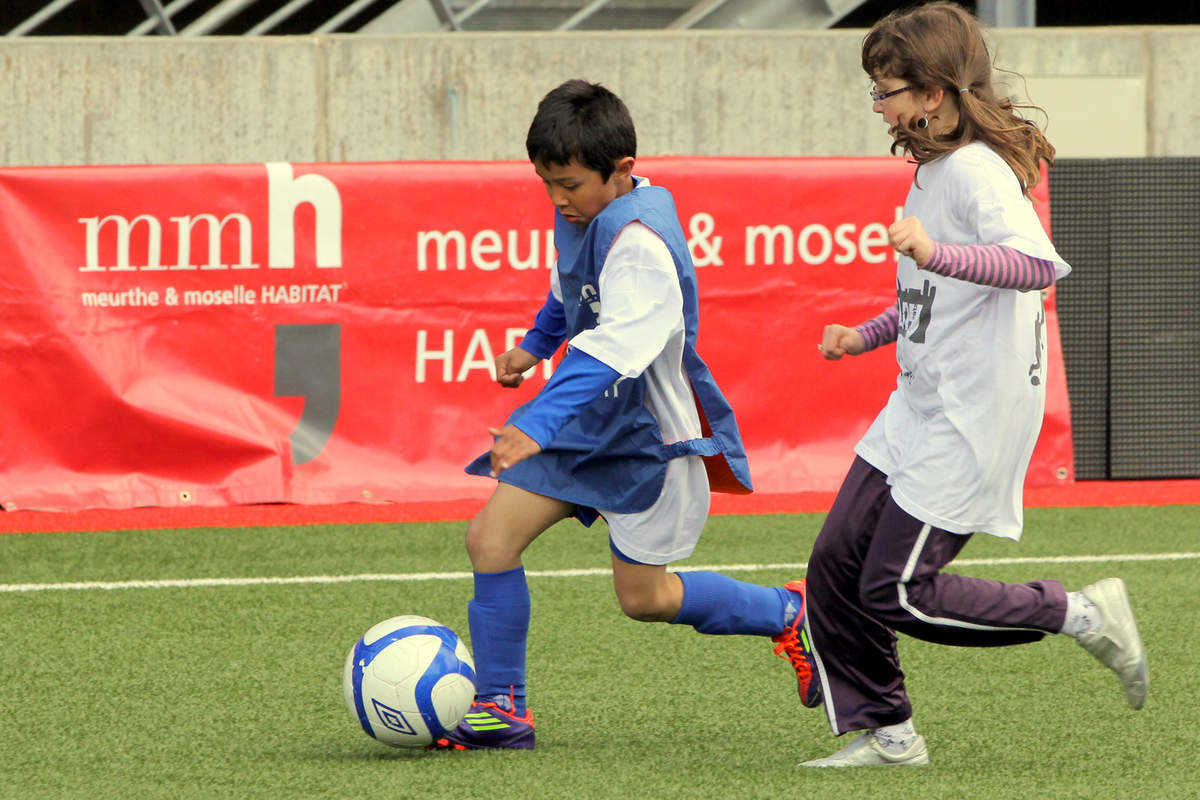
{"x":498,"y":616}
{"x":708,"y":601}
{"x":644,"y":543}
{"x":646,"y":592}
{"x":717,"y":604}
{"x":510,"y":520}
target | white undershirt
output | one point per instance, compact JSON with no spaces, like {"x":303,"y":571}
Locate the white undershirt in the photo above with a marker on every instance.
{"x":640,"y":331}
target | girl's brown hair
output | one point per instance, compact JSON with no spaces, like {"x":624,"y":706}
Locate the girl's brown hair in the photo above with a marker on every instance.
{"x":941,"y":46}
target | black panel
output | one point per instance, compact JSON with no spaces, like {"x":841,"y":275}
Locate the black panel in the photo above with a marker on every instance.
{"x":1154,"y":338}
{"x":1080,"y":222}
{"x":1130,"y":313}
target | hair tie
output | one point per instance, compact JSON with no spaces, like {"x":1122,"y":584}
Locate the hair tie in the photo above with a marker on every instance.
{"x":964,"y":90}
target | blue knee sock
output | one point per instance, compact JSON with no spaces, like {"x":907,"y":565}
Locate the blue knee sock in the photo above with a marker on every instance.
{"x":499,"y":618}
{"x":714,"y":603}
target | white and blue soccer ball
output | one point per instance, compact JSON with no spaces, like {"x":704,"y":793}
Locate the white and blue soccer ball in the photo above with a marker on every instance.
{"x":408,"y":680}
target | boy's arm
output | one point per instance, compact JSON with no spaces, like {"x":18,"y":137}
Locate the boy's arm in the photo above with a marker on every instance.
{"x":640,"y":305}
{"x":548,"y":331}
{"x":577,"y":381}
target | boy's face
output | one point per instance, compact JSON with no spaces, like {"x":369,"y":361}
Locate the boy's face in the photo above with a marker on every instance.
{"x":579,"y":193}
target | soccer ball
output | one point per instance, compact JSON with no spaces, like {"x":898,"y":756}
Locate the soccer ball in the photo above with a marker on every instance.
{"x":408,"y":680}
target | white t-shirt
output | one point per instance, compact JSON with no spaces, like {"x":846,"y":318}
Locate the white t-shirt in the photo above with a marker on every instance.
{"x":640,"y":329}
{"x":957,"y":434}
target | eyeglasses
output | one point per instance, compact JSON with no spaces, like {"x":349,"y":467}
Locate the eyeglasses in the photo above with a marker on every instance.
{"x":879,"y":97}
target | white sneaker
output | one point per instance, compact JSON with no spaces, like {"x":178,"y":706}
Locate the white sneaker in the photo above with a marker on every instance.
{"x":1117,"y":644}
{"x":864,"y":751}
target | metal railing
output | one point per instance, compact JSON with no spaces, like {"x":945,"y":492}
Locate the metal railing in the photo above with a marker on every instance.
{"x":208,"y":17}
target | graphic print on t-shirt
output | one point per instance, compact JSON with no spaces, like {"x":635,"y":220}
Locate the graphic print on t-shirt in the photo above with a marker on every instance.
{"x":1039,"y":344}
{"x":916,"y":309}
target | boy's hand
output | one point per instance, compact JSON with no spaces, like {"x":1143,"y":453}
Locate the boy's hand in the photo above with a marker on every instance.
{"x":512,"y":446}
{"x":839,"y":340}
{"x":511,"y":366}
{"x":909,"y":238}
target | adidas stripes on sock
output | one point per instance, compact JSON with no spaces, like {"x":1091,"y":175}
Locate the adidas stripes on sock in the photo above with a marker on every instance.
{"x":717,"y":604}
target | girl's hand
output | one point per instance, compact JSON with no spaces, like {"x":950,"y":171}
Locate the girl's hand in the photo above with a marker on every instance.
{"x":909,"y":238}
{"x":840,"y":340}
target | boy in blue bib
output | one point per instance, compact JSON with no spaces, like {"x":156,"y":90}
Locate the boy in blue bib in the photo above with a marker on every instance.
{"x":631,"y":426}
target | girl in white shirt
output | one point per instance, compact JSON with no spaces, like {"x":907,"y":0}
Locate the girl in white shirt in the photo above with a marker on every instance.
{"x":947,"y":456}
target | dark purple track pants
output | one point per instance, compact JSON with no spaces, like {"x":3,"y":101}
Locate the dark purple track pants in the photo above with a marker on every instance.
{"x":875,"y":570}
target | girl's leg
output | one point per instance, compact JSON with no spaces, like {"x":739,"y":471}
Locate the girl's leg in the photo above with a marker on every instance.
{"x":855,"y":654}
{"x":874,"y":570}
{"x":903,"y":587}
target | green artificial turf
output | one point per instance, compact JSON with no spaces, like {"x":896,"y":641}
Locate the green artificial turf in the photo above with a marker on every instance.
{"x":234,"y":691}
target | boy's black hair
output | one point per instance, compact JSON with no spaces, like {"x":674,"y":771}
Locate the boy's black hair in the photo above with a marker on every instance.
{"x":582,"y":122}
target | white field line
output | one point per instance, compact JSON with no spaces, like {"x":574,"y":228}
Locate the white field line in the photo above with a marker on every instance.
{"x":199,"y":583}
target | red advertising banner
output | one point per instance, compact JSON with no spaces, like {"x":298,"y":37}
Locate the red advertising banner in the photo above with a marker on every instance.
{"x":324,"y":333}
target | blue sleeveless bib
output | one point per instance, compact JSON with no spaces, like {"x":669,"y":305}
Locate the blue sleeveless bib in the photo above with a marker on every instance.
{"x":612,"y":456}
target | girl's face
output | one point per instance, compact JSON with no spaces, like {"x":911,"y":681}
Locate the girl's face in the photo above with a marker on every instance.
{"x":898,"y":102}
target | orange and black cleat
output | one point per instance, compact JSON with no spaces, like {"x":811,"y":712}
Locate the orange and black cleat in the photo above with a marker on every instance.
{"x":792,"y":644}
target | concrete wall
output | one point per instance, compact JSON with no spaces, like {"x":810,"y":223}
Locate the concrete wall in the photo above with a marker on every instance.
{"x":1107,"y":91}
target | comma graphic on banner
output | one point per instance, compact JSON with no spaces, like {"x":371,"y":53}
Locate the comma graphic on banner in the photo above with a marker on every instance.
{"x":701,"y":227}
{"x":308,"y":364}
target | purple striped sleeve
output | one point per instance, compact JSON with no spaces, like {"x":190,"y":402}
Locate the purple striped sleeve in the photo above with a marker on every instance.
{"x":996,"y":265}
{"x":880,"y":330}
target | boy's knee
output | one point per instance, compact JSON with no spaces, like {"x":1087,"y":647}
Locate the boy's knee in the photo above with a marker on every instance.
{"x":488,"y":550}
{"x":476,"y":538}
{"x":645,"y":606}
{"x":641,"y":611}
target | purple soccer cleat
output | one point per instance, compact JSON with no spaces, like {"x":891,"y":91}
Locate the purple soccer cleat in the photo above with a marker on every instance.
{"x":487,"y":726}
